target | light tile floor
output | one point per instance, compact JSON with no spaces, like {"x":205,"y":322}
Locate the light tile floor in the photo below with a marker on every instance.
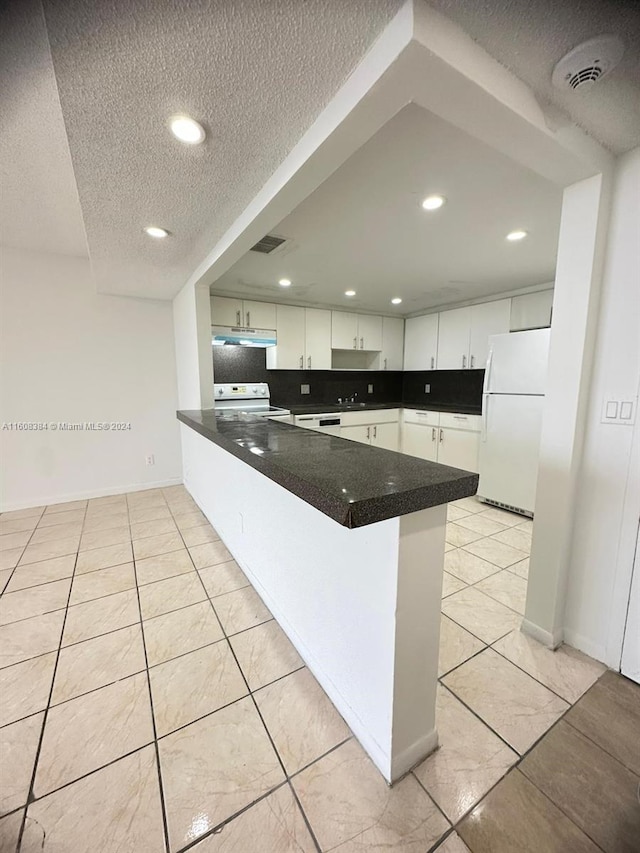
{"x":149,"y":702}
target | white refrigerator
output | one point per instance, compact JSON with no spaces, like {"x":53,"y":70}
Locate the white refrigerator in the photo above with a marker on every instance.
{"x":513,"y":398}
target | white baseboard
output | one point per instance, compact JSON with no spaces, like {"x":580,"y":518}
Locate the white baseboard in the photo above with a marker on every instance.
{"x":47,"y":500}
{"x":415,"y":753}
{"x":547,"y":638}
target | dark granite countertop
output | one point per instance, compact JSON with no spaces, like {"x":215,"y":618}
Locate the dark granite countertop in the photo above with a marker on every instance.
{"x":352,"y":483}
{"x":320,"y":408}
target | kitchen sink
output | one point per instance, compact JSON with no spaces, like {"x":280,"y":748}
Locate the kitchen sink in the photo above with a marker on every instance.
{"x":351,"y":405}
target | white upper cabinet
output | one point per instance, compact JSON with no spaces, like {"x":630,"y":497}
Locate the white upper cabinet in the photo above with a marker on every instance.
{"x":356,"y":331}
{"x":317,"y":326}
{"x":392,"y":343}
{"x":531,"y":311}
{"x":421,"y":342}
{"x":226,"y":311}
{"x":463,"y":334}
{"x":289,"y":352}
{"x":489,"y":318}
{"x":259,"y":315}
{"x":303,"y":339}
{"x":454,"y":331}
{"x":344,"y":330}
{"x":369,"y":332}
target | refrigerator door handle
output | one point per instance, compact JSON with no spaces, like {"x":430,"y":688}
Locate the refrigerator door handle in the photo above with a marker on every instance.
{"x":485,"y":415}
{"x":487,"y":373}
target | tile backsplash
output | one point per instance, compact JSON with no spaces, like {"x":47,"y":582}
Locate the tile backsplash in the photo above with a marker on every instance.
{"x":448,"y":387}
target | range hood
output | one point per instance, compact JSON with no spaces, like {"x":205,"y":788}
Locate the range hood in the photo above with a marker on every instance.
{"x":243,"y":337}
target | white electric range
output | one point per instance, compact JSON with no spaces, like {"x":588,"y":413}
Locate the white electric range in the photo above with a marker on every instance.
{"x":249,"y":397}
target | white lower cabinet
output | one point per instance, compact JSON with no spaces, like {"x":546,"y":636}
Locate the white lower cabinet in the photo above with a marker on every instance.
{"x":448,"y":438}
{"x":420,"y":440}
{"x":459,"y":448}
{"x":379,"y":428}
{"x":356,"y":433}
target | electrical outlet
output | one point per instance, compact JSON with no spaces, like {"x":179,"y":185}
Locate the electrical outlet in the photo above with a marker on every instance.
{"x":427,"y":389}
{"x":370,"y":389}
{"x":305,"y":389}
{"x":150,"y":460}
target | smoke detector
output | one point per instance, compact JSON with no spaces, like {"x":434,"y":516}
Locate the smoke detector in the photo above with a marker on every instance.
{"x":588,"y":62}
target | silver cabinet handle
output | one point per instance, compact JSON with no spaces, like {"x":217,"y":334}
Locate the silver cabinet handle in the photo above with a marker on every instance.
{"x":461,"y":417}
{"x":464,"y":361}
{"x":361,"y":343}
{"x":385,"y":364}
{"x":473,"y":359}
{"x":441,"y":436}
{"x":309,"y":363}
{"x":433,"y":362}
{"x":433,"y":433}
{"x":238,"y":321}
{"x":248,"y":318}
{"x":355,"y":343}
{"x":369,"y":432}
{"x":375,"y":432}
{"x":301,"y":362}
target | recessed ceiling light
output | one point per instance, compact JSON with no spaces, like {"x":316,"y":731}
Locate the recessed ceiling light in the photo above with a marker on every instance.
{"x":516,"y":235}
{"x":349,"y":293}
{"x":284,"y":282}
{"x":433,"y":202}
{"x":396,"y":301}
{"x":187,"y":130}
{"x":154,"y":231}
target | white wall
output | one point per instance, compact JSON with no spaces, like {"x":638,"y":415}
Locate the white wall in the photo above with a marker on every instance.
{"x":194,"y":361}
{"x":68,"y":354}
{"x":606,"y":518}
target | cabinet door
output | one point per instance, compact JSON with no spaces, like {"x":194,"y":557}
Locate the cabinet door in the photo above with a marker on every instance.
{"x":289,"y":352}
{"x":357,"y":433}
{"x":421,"y":441}
{"x":421,"y":342}
{"x":489,"y":318}
{"x":344,"y":330}
{"x":259,"y":315}
{"x":531,"y":311}
{"x":369,"y":333}
{"x":459,"y":449}
{"x":386,"y":436}
{"x":454,"y":328}
{"x":226,"y":312}
{"x":317,"y":326}
{"x":392,"y":343}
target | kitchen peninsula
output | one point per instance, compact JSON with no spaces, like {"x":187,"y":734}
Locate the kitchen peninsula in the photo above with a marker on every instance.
{"x":345,"y":545}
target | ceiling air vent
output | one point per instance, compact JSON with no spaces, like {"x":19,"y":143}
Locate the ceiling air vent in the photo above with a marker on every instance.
{"x":268,"y":244}
{"x":587,"y":63}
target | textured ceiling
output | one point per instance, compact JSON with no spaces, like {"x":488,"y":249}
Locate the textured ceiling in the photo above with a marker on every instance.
{"x":256,"y":73}
{"x":364,"y":228}
{"x":39,"y":207}
{"x":530,"y":36}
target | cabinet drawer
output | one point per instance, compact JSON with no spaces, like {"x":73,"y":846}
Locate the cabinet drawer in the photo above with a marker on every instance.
{"x":459,"y":421}
{"x":418,"y":416}
{"x":371,"y":416}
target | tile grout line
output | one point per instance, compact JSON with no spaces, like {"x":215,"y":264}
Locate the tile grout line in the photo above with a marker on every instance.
{"x":30,"y":791}
{"x":516,"y":766}
{"x":253,"y":699}
{"x":26,"y":545}
{"x":163,"y":807}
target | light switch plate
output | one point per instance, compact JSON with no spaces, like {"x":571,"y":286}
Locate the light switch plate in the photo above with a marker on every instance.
{"x":305,"y":389}
{"x":370,"y":389}
{"x":619,"y":411}
{"x":427,"y":389}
